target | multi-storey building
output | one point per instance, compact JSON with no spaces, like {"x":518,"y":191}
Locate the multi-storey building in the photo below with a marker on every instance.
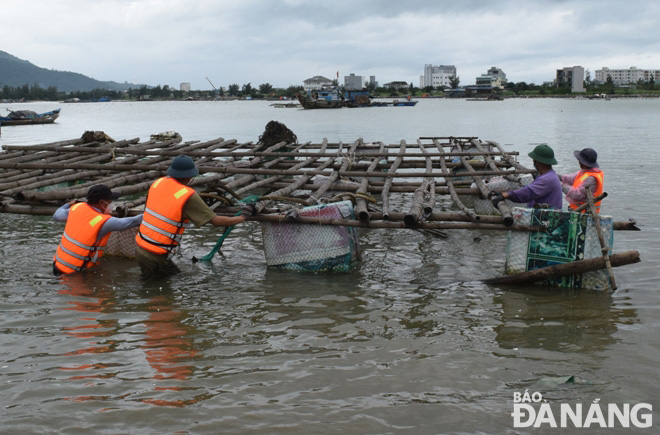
{"x":437,"y":76}
{"x":495,"y":78}
{"x":316,"y":82}
{"x":353,"y":82}
{"x":626,"y":76}
{"x":574,"y":76}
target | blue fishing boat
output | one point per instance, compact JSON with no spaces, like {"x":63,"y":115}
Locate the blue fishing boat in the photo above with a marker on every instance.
{"x":28,"y":117}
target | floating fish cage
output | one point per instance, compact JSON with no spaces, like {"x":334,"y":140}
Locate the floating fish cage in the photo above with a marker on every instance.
{"x":567,"y":237}
{"x":304,"y":189}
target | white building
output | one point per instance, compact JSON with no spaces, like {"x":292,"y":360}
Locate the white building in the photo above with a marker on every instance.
{"x":574,"y":76}
{"x":185,"y":87}
{"x":495,"y":78}
{"x":486,"y":80}
{"x":626,"y":76}
{"x":354,"y":83}
{"x":437,"y":76}
{"x":316,"y":82}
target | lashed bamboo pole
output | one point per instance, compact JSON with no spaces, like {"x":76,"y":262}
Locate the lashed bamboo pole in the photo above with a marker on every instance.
{"x":235,"y":170}
{"x":269,"y":180}
{"x":507,"y":156}
{"x":400,"y":188}
{"x":111,"y":181}
{"x":248,"y":178}
{"x":488,"y":158}
{"x":502,"y":206}
{"x":416,"y":208}
{"x":604,"y":246}
{"x":70,"y":151}
{"x":585,"y":206}
{"x":332,"y":177}
{"x":391,"y":172}
{"x":406,"y":164}
{"x":392,"y":224}
{"x":23,"y":193}
{"x":453,"y":193}
{"x":60,"y":177}
{"x":133,"y":150}
{"x":565,"y":269}
{"x":360,"y":204}
{"x":286,"y":190}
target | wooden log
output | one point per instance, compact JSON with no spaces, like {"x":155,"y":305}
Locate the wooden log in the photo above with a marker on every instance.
{"x":360,"y":204}
{"x":502,"y":206}
{"x":281,"y":218}
{"x":263,"y":202}
{"x":566,"y":269}
{"x":235,"y":170}
{"x":605,"y":249}
{"x":416,"y":208}
{"x":269,"y":180}
{"x":631,"y":225}
{"x":585,"y":206}
{"x":390,"y":177}
{"x":507,"y":156}
{"x":237,"y":154}
{"x":332,"y":177}
{"x":453,"y":193}
{"x":257,"y":160}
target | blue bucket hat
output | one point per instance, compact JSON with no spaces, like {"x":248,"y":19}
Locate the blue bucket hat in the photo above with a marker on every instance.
{"x":182,"y":167}
{"x":587,"y":157}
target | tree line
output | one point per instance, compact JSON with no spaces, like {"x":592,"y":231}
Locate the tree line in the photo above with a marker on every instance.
{"x":36,"y":92}
{"x":268,"y":91}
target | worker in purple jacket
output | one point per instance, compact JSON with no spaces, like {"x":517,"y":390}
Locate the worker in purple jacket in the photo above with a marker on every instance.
{"x":546,"y":187}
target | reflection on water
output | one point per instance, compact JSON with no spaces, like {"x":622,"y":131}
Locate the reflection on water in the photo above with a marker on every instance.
{"x":152,"y":324}
{"x":559,"y":320}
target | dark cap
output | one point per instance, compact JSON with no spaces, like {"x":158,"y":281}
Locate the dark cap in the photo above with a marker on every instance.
{"x":587,"y":157}
{"x":182,"y":167}
{"x":100,"y":192}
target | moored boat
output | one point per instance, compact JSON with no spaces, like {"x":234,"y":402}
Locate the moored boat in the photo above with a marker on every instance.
{"x":28,"y":117}
{"x":326,"y":98}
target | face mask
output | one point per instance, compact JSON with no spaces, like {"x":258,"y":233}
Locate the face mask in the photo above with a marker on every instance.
{"x":109,"y":208}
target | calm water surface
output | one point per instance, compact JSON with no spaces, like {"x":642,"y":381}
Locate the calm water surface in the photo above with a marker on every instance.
{"x":411,"y":342}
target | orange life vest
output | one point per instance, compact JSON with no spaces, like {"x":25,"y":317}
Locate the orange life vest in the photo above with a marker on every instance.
{"x":79,"y":248}
{"x":163,"y":224}
{"x":580,"y":178}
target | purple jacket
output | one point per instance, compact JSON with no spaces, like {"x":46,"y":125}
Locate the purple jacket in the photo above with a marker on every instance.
{"x":545,"y":189}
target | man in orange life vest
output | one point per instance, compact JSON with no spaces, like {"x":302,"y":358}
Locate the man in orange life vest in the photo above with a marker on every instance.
{"x":87,"y":230}
{"x":588,"y":177}
{"x":170,"y":207}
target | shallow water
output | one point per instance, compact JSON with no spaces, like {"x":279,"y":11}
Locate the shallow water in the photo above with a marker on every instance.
{"x":410,"y":342}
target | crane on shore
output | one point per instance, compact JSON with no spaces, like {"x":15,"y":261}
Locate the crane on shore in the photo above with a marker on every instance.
{"x":216,"y":91}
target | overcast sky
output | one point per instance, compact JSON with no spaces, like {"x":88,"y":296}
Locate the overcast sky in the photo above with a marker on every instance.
{"x":283,"y":42}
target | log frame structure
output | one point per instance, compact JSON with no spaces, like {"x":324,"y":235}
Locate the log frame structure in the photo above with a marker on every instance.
{"x":286,"y":175}
{"x":37,"y":179}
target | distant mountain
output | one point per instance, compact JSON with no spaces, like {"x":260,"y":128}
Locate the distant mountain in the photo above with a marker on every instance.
{"x":15,"y":72}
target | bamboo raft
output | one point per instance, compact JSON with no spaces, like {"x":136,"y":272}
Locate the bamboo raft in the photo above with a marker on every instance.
{"x":431,"y":178}
{"x":37,"y":179}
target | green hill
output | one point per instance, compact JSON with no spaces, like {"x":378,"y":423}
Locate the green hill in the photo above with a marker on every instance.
{"x":15,"y":72}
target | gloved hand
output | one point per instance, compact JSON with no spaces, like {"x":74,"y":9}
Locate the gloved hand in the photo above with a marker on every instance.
{"x":496,"y":200}
{"x":492,"y":193}
{"x":247,"y":210}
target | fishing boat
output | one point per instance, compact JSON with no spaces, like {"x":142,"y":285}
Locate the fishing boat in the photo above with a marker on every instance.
{"x":28,"y":117}
{"x":325,"y":98}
